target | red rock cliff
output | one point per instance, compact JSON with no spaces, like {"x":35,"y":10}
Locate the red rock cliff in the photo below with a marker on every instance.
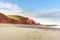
{"x":24,"y":20}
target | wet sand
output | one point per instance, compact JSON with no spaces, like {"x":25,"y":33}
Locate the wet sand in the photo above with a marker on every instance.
{"x":13,"y":32}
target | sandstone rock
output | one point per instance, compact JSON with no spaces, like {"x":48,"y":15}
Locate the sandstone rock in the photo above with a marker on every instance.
{"x":22,"y":20}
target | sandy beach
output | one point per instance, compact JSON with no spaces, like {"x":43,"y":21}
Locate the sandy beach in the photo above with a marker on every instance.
{"x":20,"y":33}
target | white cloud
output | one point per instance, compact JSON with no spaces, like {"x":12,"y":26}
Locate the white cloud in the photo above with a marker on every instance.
{"x":44,"y":14}
{"x":8,"y":8}
{"x":50,"y":13}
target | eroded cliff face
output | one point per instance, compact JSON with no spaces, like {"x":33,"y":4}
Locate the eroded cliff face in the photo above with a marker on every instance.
{"x":21,"y":20}
{"x":4,"y":19}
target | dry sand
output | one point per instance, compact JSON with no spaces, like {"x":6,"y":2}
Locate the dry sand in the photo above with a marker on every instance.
{"x":20,"y":33}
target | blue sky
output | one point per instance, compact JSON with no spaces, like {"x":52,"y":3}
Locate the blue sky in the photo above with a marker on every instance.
{"x":35,"y":5}
{"x":43,"y":11}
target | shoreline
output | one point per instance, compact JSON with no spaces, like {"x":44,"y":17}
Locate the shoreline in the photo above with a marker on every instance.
{"x":32,"y":26}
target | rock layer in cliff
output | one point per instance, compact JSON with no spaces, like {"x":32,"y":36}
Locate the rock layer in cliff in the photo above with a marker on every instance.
{"x":15,"y":19}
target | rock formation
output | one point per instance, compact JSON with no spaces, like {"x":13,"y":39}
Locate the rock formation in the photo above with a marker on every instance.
{"x":21,"y":20}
